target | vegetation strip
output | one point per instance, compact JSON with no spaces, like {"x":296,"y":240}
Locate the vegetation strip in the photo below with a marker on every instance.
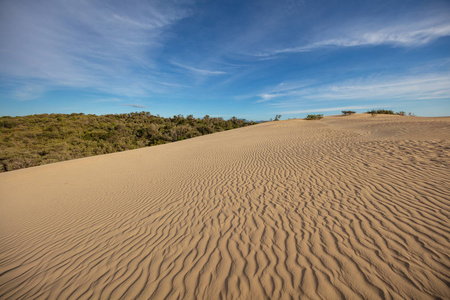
{"x":40,"y":139}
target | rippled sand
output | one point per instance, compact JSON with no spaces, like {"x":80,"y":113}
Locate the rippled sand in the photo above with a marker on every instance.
{"x":345,"y":207}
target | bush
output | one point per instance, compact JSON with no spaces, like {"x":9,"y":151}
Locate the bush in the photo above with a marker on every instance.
{"x":348,"y":112}
{"x":314,"y":117}
{"x":380,"y":111}
{"x":40,"y":139}
{"x":374,"y":112}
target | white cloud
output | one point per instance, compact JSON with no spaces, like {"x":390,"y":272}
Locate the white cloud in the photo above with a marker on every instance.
{"x":284,"y":89}
{"x":401,"y":34}
{"x":317,"y":110}
{"x":396,"y":36}
{"x":199,"y":71}
{"x":421,"y":87}
{"x":86,"y":44}
{"x":267,"y":97}
{"x":376,"y":88}
{"x":28,"y":92}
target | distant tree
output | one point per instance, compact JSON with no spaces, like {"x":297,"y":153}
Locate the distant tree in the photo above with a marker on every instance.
{"x":380,"y":111}
{"x":277,"y":117}
{"x":314,"y":117}
{"x":348,"y":112}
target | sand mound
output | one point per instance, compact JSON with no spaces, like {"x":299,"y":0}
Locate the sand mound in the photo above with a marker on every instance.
{"x":346,"y":207}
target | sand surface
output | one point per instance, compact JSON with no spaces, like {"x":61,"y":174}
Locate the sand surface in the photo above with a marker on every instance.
{"x":346,"y":207}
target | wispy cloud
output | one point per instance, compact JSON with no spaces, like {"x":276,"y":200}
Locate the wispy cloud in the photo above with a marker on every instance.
{"x":381,"y":88}
{"x":397,"y":36}
{"x":199,"y":71}
{"x":419,"y":87}
{"x":406,"y":34}
{"x":283,"y":90}
{"x":134,"y":105}
{"x":267,"y":97}
{"x":332,"y":109}
{"x":28,"y":92}
{"x":86,"y":44}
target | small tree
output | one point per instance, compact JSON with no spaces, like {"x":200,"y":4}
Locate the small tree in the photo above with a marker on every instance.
{"x":314,"y":117}
{"x":348,"y":112}
{"x":277,"y":117}
{"x":373,"y":112}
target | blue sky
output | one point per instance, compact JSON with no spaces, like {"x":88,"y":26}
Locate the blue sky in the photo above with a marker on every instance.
{"x":250,"y":59}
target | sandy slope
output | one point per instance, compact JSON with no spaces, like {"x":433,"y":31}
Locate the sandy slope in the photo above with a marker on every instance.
{"x":346,"y":207}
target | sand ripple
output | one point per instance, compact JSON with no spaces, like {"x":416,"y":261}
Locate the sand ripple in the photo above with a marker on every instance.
{"x":343,"y":208}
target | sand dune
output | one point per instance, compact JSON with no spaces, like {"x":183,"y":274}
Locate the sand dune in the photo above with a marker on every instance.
{"x":347,"y":207}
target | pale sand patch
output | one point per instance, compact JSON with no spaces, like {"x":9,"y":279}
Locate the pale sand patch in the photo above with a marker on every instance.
{"x":346,"y":207}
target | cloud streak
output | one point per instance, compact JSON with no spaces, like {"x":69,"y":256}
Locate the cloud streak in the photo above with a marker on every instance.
{"x":28,"y":92}
{"x":198,"y":71}
{"x":423,"y":87}
{"x":85,"y":44}
{"x":407,"y":34}
{"x":382,"y":88}
{"x":329,"y":109}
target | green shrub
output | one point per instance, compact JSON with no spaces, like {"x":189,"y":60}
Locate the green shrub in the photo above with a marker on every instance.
{"x":314,"y":117}
{"x":39,"y":139}
{"x":374,"y":112}
{"x":348,"y":112}
{"x":380,"y":112}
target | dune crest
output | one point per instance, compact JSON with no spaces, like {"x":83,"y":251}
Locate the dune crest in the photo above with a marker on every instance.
{"x":342,"y":208}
